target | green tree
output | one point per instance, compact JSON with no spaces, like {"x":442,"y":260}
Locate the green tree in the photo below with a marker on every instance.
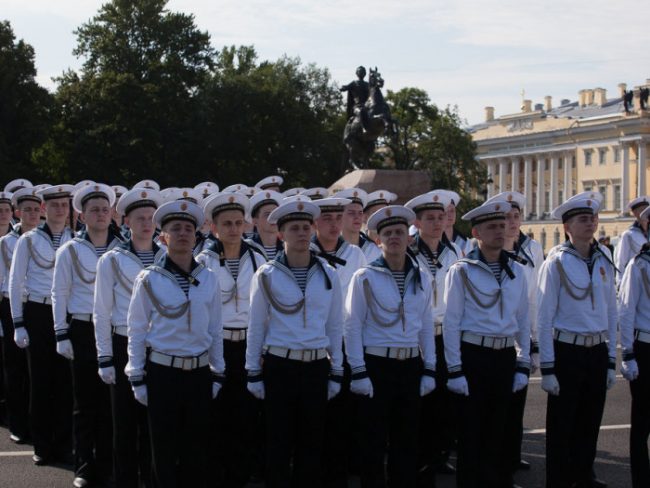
{"x":25,"y":107}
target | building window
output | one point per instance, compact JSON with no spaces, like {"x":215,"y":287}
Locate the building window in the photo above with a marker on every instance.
{"x":546,"y":165}
{"x":587,"y":188}
{"x":560,"y":163}
{"x":573,"y":161}
{"x":602,"y":154}
{"x":560,"y":197}
{"x":547,"y":203}
{"x":617,"y":197}
{"x":617,"y":155}
{"x":602,"y":189}
{"x":587,"y":157}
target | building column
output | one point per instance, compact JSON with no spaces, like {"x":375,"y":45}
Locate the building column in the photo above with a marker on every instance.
{"x":552,"y":201}
{"x":625,"y":177}
{"x":491,"y":169}
{"x":568,"y":174}
{"x":540,"y":187}
{"x":503,"y":174}
{"x":641,"y":188}
{"x":528,"y":185}
{"x":515,"y":174}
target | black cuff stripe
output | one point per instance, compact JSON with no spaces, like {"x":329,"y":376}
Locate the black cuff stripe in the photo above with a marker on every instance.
{"x":360,"y":375}
{"x":455,"y":374}
{"x":429,"y":372}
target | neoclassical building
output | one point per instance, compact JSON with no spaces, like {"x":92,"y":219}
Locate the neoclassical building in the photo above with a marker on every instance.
{"x":550,"y":153}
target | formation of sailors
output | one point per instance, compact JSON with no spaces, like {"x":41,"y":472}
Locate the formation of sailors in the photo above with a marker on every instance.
{"x":189,"y":336}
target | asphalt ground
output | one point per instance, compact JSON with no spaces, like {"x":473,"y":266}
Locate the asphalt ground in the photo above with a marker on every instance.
{"x":18,"y":471}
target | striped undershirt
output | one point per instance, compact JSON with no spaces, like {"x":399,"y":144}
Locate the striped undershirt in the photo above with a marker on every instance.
{"x":56,"y":240}
{"x":100,"y":250}
{"x":589,"y":262}
{"x":432,"y":267}
{"x":300,"y":274}
{"x":399,"y":279}
{"x":233,"y":267}
{"x":496,"y":270}
{"x":147,"y":257}
{"x":270,"y":251}
{"x":183,"y":282}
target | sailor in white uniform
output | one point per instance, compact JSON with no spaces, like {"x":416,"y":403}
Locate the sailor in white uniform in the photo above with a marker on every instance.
{"x":175,"y":348}
{"x":389,"y":340}
{"x":294,"y":356}
{"x":353,"y":222}
{"x":453,"y":234}
{"x":116,"y":272}
{"x":235,"y":260}
{"x":486,"y":317}
{"x":576,"y":320}
{"x":266,"y":235}
{"x":435,"y":254}
{"x":30,"y":289}
{"x":633,"y":238}
{"x":634,"y":320}
{"x":73,"y":289}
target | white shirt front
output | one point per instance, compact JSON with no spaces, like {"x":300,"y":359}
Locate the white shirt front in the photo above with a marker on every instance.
{"x":370,"y":250}
{"x":629,"y":245}
{"x":558,"y":310}
{"x":318,"y":324}
{"x":354,"y":260}
{"x":196,"y":331}
{"x":531,"y":250}
{"x":634,"y":300}
{"x":7,"y":245}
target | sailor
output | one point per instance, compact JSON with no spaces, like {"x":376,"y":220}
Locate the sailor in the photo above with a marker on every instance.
{"x":293,"y":356}
{"x":390,"y":347}
{"x":576,"y":320}
{"x":17,"y":184}
{"x":266,"y":235}
{"x":116,"y":272}
{"x":73,"y":290}
{"x":527,"y":252}
{"x":175,"y":313}
{"x":435,"y":254}
{"x":633,"y":238}
{"x":6,"y":213}
{"x":234,"y":260}
{"x":451,"y":231}
{"x":353,"y":222}
{"x":272,"y":183}
{"x":376,"y":200}
{"x":634,"y":320}
{"x":486,"y":316}
{"x":27,"y":206}
{"x":30,"y":288}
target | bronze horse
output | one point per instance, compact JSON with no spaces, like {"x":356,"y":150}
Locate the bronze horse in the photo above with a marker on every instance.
{"x":369,"y":122}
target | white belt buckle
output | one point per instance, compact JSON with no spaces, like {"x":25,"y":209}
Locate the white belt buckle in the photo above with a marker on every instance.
{"x":589,"y":341}
{"x":306,"y":355}
{"x":187,"y":364}
{"x":500,"y":343}
{"x":402,"y":353}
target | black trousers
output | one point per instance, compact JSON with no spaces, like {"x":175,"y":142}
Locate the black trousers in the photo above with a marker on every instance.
{"x":235,"y":414}
{"x":131,"y":448}
{"x":15,"y":376}
{"x":50,"y":408}
{"x":295,"y":406}
{"x":640,"y":389}
{"x":389,"y":423}
{"x":179,"y":413}
{"x":573,"y":417}
{"x":482,"y":417}
{"x":92,"y":424}
{"x":437,"y":419}
{"x":515,"y":427}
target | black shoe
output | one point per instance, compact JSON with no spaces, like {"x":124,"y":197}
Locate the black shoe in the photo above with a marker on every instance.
{"x":39,"y":460}
{"x":446,"y":468}
{"x":523,"y":466}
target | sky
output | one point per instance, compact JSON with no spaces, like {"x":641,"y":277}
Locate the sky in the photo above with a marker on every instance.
{"x":465,"y":53}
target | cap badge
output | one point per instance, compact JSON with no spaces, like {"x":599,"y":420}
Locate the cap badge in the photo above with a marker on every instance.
{"x":389,"y":212}
{"x":510,"y":197}
{"x":185,"y":194}
{"x":436,"y":198}
{"x":268,"y":195}
{"x":300,"y":206}
{"x":381,"y":195}
{"x":231,"y":199}
{"x":60,"y":189}
{"x":355,"y":194}
{"x":497,"y":207}
{"x":183,"y":206}
{"x":589,"y":203}
{"x":143,"y":194}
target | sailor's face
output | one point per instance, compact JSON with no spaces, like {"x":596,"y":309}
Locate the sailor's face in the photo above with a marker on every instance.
{"x":57,"y":210}
{"x":261,"y":218}
{"x":179,"y":236}
{"x":451,"y":215}
{"x":491,"y":233}
{"x":140,"y":221}
{"x":296,"y":235}
{"x":229,"y":226}
{"x":97,"y":214}
{"x":431,"y":223}
{"x":6,"y":212}
{"x":394,"y":239}
{"x":353,"y":217}
{"x":582,"y":227}
{"x":29,"y":213}
{"x":513,"y":223}
{"x":329,"y":225}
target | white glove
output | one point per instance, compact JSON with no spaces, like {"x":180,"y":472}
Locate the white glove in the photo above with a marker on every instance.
{"x":611,"y":378}
{"x":333,"y":389}
{"x":140,"y":394}
{"x":520,"y":382}
{"x":427,"y":385}
{"x":362,"y":387}
{"x":64,"y":348}
{"x":216,"y":388}
{"x":256,"y":389}
{"x":107,"y":375}
{"x":21,"y":337}
{"x":458,"y":385}
{"x":534,"y":362}
{"x":550,"y":384}
{"x":630,"y":370}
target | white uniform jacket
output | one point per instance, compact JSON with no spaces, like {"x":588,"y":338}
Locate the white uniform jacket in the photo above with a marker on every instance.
{"x":629,"y":245}
{"x":235,"y":294}
{"x":634,"y":302}
{"x":32,"y":268}
{"x":73,"y":286}
{"x":448,"y":254}
{"x":116,"y":273}
{"x":571,"y":299}
{"x":7,"y":246}
{"x":477,"y":303}
{"x":376,"y":314}
{"x":314,"y":325}
{"x":531,"y":251}
{"x":370,"y":250}
{"x":351,"y":259}
{"x":197,"y":330}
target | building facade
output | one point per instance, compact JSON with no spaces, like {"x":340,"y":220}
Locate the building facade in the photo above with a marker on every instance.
{"x":551,"y":153}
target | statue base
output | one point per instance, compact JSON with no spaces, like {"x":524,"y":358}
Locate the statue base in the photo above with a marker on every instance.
{"x":405,"y":183}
